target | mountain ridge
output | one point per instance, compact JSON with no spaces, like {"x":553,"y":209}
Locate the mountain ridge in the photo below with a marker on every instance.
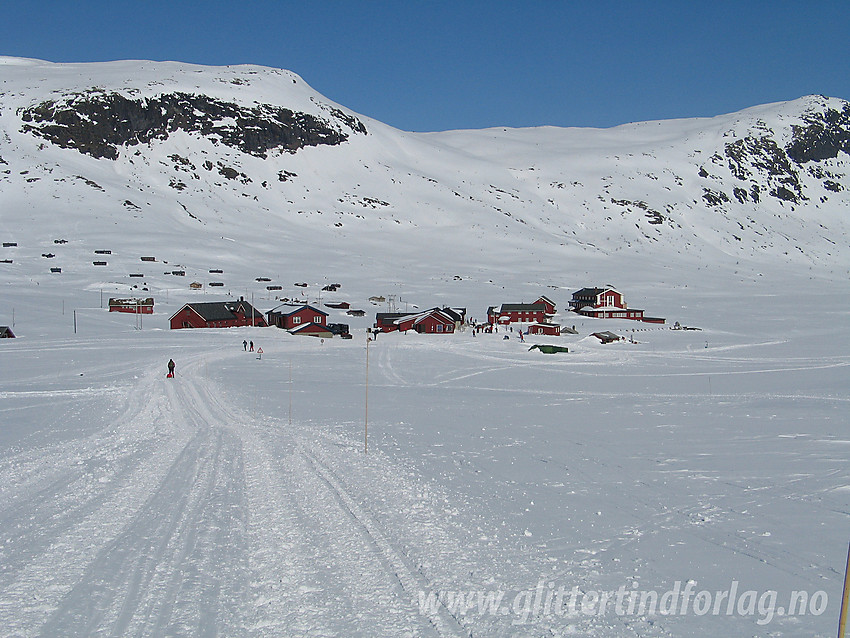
{"x":250,"y":162}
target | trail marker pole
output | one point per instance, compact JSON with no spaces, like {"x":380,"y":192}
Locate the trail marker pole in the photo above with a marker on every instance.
{"x":290,"y":394}
{"x":842,"y":619}
{"x":366,"y":422}
{"x":75,"y":322}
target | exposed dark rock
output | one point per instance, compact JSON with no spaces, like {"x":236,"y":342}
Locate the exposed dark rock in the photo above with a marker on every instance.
{"x":714,"y":198}
{"x":227,"y":172}
{"x":98,"y":123}
{"x":89,"y":182}
{"x":823,"y":136}
{"x":784,"y":194}
{"x":182,"y":161}
{"x":751,"y":157}
{"x":654,"y":216}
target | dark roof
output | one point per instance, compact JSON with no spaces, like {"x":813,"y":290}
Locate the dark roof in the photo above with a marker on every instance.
{"x":6,"y":331}
{"x":222,"y":310}
{"x":588,"y":292}
{"x":522,"y":307}
{"x":606,"y":336}
{"x":390,"y":316}
{"x":455,"y":315}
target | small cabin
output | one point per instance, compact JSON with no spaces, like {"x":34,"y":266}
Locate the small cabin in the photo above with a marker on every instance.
{"x":134,"y":306}
{"x":290,"y":317}
{"x":550,"y":329}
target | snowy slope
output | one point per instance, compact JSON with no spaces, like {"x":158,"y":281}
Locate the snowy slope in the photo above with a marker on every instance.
{"x":237,"y":499}
{"x":680,"y":191}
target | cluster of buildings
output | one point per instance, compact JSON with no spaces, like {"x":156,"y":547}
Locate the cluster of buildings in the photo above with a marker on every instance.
{"x":305,"y":319}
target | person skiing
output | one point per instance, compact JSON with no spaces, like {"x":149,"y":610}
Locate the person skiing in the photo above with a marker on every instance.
{"x":251,"y":347}
{"x":171,"y":367}
{"x":245,"y":346}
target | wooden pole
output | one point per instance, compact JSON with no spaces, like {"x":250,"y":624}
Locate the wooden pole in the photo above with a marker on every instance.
{"x":366,"y":422}
{"x":290,"y":394}
{"x":842,"y":619}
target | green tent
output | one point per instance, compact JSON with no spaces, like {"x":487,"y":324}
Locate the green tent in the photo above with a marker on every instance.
{"x":545,"y":349}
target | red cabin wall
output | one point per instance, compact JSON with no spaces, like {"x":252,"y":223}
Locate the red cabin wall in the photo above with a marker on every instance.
{"x":428,"y":325}
{"x":307,"y":315}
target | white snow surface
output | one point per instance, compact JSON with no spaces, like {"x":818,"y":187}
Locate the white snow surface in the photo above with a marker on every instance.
{"x":237,"y":499}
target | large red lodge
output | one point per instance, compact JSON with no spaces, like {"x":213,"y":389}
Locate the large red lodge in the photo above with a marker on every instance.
{"x":217,"y":314}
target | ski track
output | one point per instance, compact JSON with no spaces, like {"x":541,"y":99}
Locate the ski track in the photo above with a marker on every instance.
{"x":339,"y":530}
{"x":187,"y":516}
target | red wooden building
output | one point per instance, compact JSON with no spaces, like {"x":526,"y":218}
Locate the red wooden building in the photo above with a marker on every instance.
{"x":291,"y":317}
{"x":312,"y":330}
{"x":217,"y":314}
{"x":548,"y":304}
{"x":433,"y":321}
{"x":536,"y":312}
{"x":134,"y":306}
{"x":606,"y":303}
{"x":517,"y":313}
{"x":550,"y":329}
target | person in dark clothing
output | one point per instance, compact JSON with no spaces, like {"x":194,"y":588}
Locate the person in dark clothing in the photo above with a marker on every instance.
{"x":251,"y":347}
{"x":245,"y":346}
{"x":171,"y":367}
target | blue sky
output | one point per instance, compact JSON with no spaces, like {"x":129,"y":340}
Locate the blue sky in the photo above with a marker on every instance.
{"x":437,"y":65}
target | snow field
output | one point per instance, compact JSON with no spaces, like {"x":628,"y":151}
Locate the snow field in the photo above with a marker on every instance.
{"x":132,"y":504}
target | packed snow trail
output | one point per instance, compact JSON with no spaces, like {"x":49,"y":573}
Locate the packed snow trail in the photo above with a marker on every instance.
{"x":132,"y":504}
{"x":188,"y":517}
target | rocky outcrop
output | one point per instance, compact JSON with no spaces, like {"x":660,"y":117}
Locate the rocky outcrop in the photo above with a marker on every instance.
{"x":823,"y":136}
{"x":99,"y":123}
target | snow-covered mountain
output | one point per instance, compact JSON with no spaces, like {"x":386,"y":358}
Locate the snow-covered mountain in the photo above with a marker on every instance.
{"x":505,"y":491}
{"x":253,"y":171}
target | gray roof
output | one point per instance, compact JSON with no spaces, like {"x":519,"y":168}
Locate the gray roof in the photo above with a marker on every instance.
{"x":523,"y":307}
{"x":588,"y":292}
{"x":222,"y":310}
